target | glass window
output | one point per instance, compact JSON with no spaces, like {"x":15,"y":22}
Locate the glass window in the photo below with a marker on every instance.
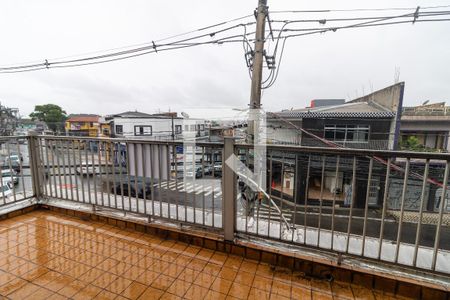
{"x":347,"y":133}
{"x":119,"y":129}
{"x":178,"y":129}
{"x":143,"y":130}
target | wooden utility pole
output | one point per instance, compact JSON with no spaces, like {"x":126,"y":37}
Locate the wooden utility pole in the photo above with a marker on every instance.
{"x":257,"y":67}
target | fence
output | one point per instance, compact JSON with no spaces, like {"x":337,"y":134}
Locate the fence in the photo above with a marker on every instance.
{"x":383,"y":205}
{"x":17,"y":184}
{"x":135,"y":176}
{"x":389,"y":206}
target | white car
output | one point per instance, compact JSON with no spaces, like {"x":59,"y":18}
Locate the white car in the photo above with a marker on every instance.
{"x":87,"y":170}
{"x":8,"y":176}
{"x":5,"y":190}
{"x":14,"y":158}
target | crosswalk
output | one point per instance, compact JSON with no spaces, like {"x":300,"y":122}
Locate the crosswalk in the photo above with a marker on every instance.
{"x":265,"y":212}
{"x":193,"y":188}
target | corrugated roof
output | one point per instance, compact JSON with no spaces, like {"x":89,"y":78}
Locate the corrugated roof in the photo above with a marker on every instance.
{"x":83,"y":118}
{"x":347,"y":110}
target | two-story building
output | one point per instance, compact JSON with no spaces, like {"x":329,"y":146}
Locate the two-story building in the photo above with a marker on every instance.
{"x":139,"y":125}
{"x":369,"y":122}
{"x":83,"y":125}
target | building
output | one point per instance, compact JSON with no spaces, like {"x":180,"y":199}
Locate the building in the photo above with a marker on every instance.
{"x":139,"y":125}
{"x":425,"y":128}
{"x":9,"y":118}
{"x":26,"y":125}
{"x":83,"y":125}
{"x":218,"y":133}
{"x":369,"y":122}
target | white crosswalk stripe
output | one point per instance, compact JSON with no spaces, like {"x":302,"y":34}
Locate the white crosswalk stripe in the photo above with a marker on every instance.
{"x":189,"y":187}
{"x":266,"y":212}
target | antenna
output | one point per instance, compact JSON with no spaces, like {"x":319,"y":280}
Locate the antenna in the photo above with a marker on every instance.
{"x":397,"y":75}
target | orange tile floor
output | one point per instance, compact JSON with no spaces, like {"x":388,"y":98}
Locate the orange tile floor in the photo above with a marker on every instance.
{"x":48,"y":255}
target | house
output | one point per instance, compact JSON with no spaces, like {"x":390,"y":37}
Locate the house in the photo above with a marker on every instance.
{"x":134,"y":124}
{"x":163,"y":126}
{"x":369,"y":122}
{"x":82,"y":125}
{"x":425,"y":128}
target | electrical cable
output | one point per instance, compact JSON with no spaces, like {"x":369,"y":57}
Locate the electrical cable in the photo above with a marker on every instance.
{"x":357,"y":9}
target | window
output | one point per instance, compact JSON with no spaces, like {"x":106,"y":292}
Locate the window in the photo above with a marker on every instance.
{"x":347,"y":133}
{"x":143,"y":130}
{"x":178,"y":129}
{"x":119,"y":129}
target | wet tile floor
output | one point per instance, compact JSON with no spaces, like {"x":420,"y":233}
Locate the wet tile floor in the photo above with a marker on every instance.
{"x":48,"y":255}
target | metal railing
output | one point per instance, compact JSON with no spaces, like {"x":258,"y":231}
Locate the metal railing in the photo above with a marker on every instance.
{"x":149,"y":178}
{"x":420,"y":111}
{"x":17,"y":182}
{"x":383,"y":205}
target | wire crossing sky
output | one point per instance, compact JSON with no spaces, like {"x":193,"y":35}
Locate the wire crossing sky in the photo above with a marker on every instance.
{"x":317,"y":52}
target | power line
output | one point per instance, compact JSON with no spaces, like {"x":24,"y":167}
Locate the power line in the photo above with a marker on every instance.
{"x":146,"y":49}
{"x":357,"y":9}
{"x":240,"y":38}
{"x":148,"y":43}
{"x":369,"y":22}
{"x":117,"y":56}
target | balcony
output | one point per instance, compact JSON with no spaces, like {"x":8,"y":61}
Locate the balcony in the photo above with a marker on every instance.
{"x":124,"y":220}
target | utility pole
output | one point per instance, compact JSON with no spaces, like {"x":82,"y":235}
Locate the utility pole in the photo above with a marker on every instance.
{"x":173,"y":131}
{"x":257,"y":67}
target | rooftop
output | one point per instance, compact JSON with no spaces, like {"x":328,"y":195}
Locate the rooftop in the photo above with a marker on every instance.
{"x":347,"y":110}
{"x":138,"y":114}
{"x":83,"y":118}
{"x":46,"y":255}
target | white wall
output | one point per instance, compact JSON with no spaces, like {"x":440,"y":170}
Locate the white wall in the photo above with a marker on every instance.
{"x":160,"y":127}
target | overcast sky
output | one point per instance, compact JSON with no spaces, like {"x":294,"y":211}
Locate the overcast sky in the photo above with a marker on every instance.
{"x":343,"y":64}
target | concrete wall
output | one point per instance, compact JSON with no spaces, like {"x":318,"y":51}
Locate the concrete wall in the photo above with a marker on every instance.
{"x":390,"y":98}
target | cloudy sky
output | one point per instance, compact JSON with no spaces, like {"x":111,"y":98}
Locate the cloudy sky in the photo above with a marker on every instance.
{"x":344,"y":64}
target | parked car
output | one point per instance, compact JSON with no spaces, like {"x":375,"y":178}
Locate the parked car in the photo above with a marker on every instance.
{"x":5,"y":190}
{"x":14,"y":166}
{"x":13,"y":154}
{"x":9,"y":176}
{"x":87,"y":170}
{"x":132,"y":190}
{"x":218,"y":170}
{"x":14,"y":158}
{"x":199,"y":171}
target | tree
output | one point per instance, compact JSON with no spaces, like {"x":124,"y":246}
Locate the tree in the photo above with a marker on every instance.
{"x":52,"y":114}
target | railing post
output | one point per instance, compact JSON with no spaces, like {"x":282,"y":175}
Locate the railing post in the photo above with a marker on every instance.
{"x":34,"y":161}
{"x":229,"y":191}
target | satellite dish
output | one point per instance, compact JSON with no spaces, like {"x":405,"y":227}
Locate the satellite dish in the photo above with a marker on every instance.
{"x":426,"y":102}
{"x":185,"y":115}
